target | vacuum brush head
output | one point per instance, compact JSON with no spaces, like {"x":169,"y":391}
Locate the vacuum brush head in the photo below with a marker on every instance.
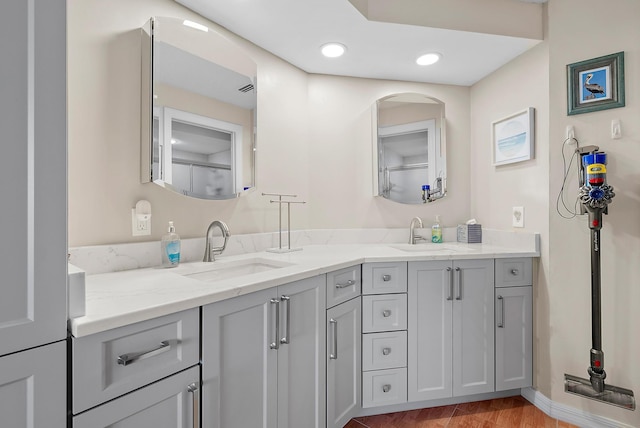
{"x":614,"y":395}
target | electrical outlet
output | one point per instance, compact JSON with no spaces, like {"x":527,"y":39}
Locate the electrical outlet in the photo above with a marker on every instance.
{"x":140,"y":224}
{"x":518,"y":217}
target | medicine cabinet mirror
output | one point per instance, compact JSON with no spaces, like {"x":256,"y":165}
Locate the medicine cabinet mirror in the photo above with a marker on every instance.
{"x":409,"y":145}
{"x":198,"y":111}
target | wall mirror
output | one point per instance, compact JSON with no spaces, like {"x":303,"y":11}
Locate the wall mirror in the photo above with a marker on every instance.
{"x":409,"y":145}
{"x":198,"y":135}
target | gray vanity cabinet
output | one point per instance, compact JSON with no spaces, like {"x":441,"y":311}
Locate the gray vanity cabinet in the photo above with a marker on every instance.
{"x":263,"y":358}
{"x":514,"y":323}
{"x":344,"y":346}
{"x":33,"y":187}
{"x":450,"y":328}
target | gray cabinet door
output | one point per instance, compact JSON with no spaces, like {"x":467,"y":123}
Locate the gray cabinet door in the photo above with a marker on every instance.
{"x":33,"y":388}
{"x":239,"y":366}
{"x":301,"y":357}
{"x":33,"y":186}
{"x":430,"y":307}
{"x":514,"y":338}
{"x":473,"y":327}
{"x":170,"y":403}
{"x":344,"y":375}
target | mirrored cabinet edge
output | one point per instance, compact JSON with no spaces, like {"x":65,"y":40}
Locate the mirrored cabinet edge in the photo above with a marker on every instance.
{"x":186,"y":150}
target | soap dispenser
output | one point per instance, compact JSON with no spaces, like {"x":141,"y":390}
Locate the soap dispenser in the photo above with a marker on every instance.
{"x":170,"y":246}
{"x":436,"y":231}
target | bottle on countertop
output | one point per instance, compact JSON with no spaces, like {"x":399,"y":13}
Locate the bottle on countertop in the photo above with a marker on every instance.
{"x":170,"y":246}
{"x":436,"y":231}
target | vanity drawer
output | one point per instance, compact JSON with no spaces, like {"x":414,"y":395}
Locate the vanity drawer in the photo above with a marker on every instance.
{"x":109,"y":364}
{"x":343,"y":285}
{"x":384,"y":312}
{"x":514,"y":272}
{"x":384,"y":350}
{"x":384,"y":387}
{"x":380,"y":278}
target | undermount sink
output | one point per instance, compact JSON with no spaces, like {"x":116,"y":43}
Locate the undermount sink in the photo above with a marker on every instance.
{"x":216,"y":271}
{"x":419,"y":248}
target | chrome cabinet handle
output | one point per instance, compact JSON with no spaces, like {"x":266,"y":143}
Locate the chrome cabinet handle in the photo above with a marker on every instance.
{"x":386,"y":388}
{"x":126,"y":359}
{"x":287,"y":301}
{"x":386,"y":313}
{"x":333,"y":353}
{"x":386,"y":351}
{"x":459,"y":272}
{"x":515,"y":271}
{"x":276,"y":342}
{"x":450,"y":283}
{"x":501,"y":322}
{"x":386,"y":278}
{"x":195,"y":392}
{"x":347,"y":284}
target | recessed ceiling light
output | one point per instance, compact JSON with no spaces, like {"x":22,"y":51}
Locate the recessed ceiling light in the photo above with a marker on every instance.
{"x":195,"y":25}
{"x":428,"y":59}
{"x":333,"y":50}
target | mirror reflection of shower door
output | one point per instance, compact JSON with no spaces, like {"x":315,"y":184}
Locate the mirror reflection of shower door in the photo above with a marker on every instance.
{"x":201,"y":156}
{"x":405,"y":152}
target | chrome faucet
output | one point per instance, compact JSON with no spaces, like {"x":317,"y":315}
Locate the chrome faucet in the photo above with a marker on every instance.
{"x":210,"y":251}
{"x":413,"y":238}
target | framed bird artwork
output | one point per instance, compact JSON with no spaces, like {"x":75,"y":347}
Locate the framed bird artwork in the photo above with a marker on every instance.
{"x":595,"y":84}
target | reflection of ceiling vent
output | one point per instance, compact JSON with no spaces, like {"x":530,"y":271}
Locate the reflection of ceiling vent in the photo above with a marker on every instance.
{"x":246,"y":88}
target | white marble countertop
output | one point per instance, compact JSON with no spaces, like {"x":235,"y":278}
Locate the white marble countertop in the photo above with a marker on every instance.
{"x":120,"y":298}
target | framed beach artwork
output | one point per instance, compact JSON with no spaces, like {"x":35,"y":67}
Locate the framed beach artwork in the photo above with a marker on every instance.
{"x":595,"y":84}
{"x":513,"y":137}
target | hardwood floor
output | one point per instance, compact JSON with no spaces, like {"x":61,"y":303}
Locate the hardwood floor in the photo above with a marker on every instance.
{"x":511,"y":412}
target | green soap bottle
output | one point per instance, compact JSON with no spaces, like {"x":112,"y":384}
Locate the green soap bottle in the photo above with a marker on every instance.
{"x":436,"y":231}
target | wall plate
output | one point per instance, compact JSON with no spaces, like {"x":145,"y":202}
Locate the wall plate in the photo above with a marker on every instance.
{"x":518,"y":217}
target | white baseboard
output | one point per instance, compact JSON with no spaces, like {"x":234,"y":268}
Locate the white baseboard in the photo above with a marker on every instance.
{"x":569,"y":414}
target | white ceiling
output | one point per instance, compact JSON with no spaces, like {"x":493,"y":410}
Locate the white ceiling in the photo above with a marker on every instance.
{"x":294,"y":30}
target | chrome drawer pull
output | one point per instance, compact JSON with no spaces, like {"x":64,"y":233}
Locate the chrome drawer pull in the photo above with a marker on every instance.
{"x":386,"y":388}
{"x":450,"y":283}
{"x":275,"y":344}
{"x":287,"y":300}
{"x":501,"y":322}
{"x":347,"y":284}
{"x":386,"y":278}
{"x":386,"y":351}
{"x":126,"y":359}
{"x":195,"y":391}
{"x":386,"y":313}
{"x":515,"y":271}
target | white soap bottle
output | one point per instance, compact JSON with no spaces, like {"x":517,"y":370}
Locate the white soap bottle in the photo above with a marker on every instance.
{"x":436,"y":231}
{"x":170,"y":246}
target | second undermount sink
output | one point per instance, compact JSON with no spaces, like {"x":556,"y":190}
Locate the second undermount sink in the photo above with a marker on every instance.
{"x":419,"y":248}
{"x":216,"y":271}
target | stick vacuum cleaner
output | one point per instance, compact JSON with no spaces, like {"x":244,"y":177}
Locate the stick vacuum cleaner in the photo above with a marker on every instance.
{"x":595,"y":195}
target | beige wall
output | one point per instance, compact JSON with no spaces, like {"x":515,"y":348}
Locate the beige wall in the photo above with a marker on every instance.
{"x":314,"y":140}
{"x":562,"y":293}
{"x":570,"y":41}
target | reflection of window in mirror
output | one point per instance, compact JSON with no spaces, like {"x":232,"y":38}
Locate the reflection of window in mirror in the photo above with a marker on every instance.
{"x":200,"y":155}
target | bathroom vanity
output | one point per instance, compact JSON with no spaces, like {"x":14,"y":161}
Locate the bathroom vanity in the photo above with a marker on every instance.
{"x":310,"y":338}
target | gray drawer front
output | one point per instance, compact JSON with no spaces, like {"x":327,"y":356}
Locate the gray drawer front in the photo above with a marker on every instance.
{"x":381,"y":278}
{"x":97,"y":374}
{"x":343,"y":285}
{"x":515,"y":272}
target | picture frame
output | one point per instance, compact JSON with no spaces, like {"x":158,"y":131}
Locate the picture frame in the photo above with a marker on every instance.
{"x":513,"y":137}
{"x":595,"y":84}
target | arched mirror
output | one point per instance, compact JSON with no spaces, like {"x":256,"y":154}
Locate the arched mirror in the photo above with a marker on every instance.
{"x":198,"y":111}
{"x":409,"y":145}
